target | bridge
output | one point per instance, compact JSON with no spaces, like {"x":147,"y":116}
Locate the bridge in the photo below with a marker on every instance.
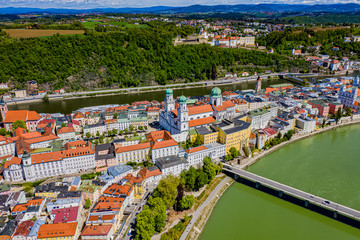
{"x":315,"y":203}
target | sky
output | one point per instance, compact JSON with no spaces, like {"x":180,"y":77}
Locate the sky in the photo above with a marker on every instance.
{"x":86,"y":4}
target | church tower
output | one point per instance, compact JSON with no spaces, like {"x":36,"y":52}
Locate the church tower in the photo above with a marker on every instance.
{"x":169,"y":101}
{"x":356,"y":82}
{"x":3,"y":109}
{"x":216,"y":98}
{"x":258,"y":85}
{"x":183,"y":115}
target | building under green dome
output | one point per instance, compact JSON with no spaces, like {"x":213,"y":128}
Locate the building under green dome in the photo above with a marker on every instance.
{"x":169,"y":91}
{"x":182,"y":99}
{"x":216,"y":92}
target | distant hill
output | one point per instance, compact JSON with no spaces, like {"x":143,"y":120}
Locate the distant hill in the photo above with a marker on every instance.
{"x":240,"y":8}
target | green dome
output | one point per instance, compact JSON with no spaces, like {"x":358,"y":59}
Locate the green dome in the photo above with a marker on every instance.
{"x":182,"y":99}
{"x":216,"y":92}
{"x":169,"y":91}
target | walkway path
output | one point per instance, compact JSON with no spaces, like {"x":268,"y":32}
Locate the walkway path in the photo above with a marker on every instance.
{"x":201,"y":208}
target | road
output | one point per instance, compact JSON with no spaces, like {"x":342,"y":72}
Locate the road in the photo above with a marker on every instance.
{"x":296,"y":192}
{"x":131,"y":217}
{"x":136,"y":89}
{"x":201,"y":208}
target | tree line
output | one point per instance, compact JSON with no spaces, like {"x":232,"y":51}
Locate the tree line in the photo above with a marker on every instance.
{"x":132,"y":57}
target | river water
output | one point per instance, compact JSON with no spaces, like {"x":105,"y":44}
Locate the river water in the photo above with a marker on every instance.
{"x":326,"y":165}
{"x":68,"y":105}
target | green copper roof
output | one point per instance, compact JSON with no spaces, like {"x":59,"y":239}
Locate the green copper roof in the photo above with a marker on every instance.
{"x":169,"y":91}
{"x":216,"y":92}
{"x":182,"y":99}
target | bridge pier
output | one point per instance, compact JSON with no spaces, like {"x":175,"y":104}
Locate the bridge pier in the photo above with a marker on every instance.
{"x":335,"y":215}
{"x":257,"y":185}
{"x":306,"y":203}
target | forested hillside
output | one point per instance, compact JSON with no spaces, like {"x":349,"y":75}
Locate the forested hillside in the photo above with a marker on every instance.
{"x":284,"y":41}
{"x":130,"y":57}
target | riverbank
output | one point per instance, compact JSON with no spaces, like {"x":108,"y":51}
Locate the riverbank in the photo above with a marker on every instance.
{"x":145,"y":89}
{"x":250,"y":161}
{"x":203,"y":212}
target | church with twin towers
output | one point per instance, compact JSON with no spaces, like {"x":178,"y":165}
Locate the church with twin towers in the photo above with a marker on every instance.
{"x":178,"y":118}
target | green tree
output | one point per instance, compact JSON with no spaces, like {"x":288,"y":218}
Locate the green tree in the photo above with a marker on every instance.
{"x":158,"y":208}
{"x":121,"y":132}
{"x":187,"y":202}
{"x":348,"y":111}
{"x":190,"y":178}
{"x":87,"y":204}
{"x":201,"y":180}
{"x":114,"y":131}
{"x":2,"y":131}
{"x":17,"y":124}
{"x":338,"y":115}
{"x":115,"y":116}
{"x":63,"y":125}
{"x":88,"y":135}
{"x":140,"y":128}
{"x":234,"y":152}
{"x":167,"y":190}
{"x":209,"y":168}
{"x":126,"y":130}
{"x":97,"y":134}
{"x":45,"y":99}
{"x":131,"y":128}
{"x":172,"y":234}
{"x":145,"y":224}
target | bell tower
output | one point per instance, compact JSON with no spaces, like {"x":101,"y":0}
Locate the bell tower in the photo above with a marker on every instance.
{"x":258,"y":85}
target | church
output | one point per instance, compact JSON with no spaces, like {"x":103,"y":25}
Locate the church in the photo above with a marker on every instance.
{"x":351,"y":97}
{"x":179,"y":121}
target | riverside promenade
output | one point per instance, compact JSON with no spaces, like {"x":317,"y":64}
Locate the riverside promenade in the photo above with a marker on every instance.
{"x":199,"y":211}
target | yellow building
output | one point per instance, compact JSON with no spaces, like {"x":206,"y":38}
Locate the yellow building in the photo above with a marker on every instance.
{"x":139,"y":121}
{"x":207,"y":135}
{"x":192,"y":135}
{"x":234,"y":135}
{"x":50,"y":190}
{"x":138,"y":185}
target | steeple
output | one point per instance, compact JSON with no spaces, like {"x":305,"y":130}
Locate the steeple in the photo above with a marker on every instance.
{"x":258,"y":85}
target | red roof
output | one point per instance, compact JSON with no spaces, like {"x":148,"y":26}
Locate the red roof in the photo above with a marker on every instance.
{"x":196,"y":149}
{"x":25,"y":115}
{"x":24,"y":228}
{"x":132,"y":147}
{"x":98,"y":230}
{"x":65,"y":214}
{"x":65,"y":130}
{"x":201,"y":121}
{"x":146,"y":173}
{"x":57,"y":230}
{"x":197,"y":109}
{"x":14,"y":160}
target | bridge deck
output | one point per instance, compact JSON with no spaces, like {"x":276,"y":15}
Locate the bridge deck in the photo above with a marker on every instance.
{"x":295,"y":192}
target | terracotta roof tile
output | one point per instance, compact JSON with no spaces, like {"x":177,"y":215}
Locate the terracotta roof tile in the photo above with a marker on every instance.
{"x":96,"y":230}
{"x":196,"y":149}
{"x":57,"y":230}
{"x":25,"y":115}
{"x":201,"y":121}
{"x":132,"y":147}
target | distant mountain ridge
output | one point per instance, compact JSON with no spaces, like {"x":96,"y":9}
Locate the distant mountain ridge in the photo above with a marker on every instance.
{"x":239,"y":8}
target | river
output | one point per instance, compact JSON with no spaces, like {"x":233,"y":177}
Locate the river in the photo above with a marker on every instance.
{"x":326,"y":165}
{"x":69,"y":105}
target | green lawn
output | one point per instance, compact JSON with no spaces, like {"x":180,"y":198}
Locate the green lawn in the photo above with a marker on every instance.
{"x":90,"y":25}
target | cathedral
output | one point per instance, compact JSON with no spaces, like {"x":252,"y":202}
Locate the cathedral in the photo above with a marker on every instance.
{"x":179,"y":120}
{"x":351,"y":97}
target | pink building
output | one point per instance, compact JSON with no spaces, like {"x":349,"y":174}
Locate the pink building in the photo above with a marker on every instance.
{"x":335,"y":106}
{"x":322,"y":106}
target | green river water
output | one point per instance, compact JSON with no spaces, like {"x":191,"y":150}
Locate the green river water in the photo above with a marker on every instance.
{"x":326,"y":165}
